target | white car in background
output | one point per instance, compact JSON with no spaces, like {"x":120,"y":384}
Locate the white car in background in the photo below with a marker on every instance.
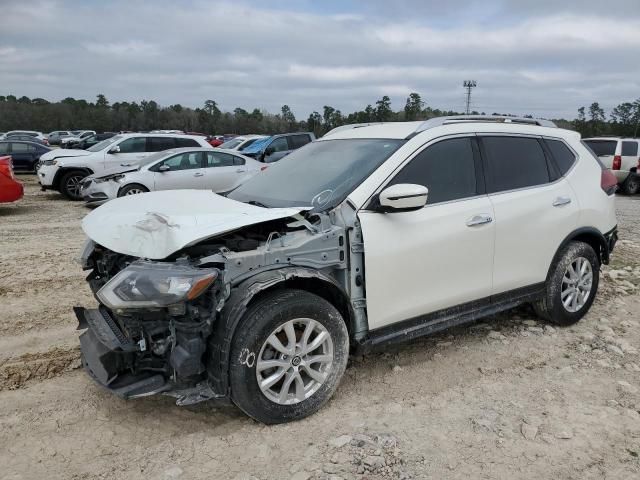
{"x":242,"y":142}
{"x":622,"y":157}
{"x":182,"y":168}
{"x":65,"y":169}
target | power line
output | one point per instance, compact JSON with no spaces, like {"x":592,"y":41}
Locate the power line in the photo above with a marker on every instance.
{"x":469,"y":84}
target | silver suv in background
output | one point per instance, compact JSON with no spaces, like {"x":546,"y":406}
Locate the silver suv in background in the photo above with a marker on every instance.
{"x":622,"y":157}
{"x":271,"y":149}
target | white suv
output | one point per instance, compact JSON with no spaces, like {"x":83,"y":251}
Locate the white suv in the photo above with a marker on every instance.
{"x":64,"y":169}
{"x":622,"y":157}
{"x":365,"y":237}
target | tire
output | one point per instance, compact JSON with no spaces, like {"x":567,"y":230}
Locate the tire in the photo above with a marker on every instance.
{"x":631,"y":185}
{"x":558,"y":290}
{"x":70,"y":184}
{"x":272,"y":316}
{"x":133,"y":189}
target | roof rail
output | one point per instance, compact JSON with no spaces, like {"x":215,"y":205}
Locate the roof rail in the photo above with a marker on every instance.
{"x":438,"y":121}
{"x":351,"y":126}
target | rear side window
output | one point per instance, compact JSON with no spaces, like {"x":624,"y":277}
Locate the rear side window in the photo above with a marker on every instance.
{"x":160,"y":144}
{"x":219,"y":159}
{"x":186,"y":142}
{"x":446,"y":168}
{"x":133,"y":145}
{"x":602,"y":148}
{"x":297,"y":141}
{"x":562,"y":155}
{"x":630,"y":149}
{"x":514,"y":162}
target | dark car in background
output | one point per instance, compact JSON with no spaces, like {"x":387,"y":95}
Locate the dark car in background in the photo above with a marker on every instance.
{"x":25,"y":155}
{"x":27,"y":138}
{"x":91,"y":140}
{"x":272,"y":149}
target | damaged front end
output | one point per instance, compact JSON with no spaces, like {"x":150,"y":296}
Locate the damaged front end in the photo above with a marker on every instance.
{"x":150,"y":331}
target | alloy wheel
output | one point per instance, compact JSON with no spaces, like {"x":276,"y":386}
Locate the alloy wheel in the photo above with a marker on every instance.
{"x":576,"y":284}
{"x":294,"y":361}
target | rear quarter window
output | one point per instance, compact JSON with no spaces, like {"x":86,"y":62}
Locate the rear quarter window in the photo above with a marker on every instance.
{"x":186,"y":142}
{"x":630,"y":149}
{"x":562,"y":155}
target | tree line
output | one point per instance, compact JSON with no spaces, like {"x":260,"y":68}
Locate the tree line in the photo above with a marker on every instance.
{"x":101,"y":115}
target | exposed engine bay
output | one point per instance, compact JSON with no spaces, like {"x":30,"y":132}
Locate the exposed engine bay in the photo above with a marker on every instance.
{"x":160,"y":323}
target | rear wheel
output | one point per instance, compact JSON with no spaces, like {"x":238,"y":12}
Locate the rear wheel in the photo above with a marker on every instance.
{"x":631,"y":185}
{"x":71,"y":183}
{"x":571,"y":286}
{"x":288,"y":355}
{"x":133,"y":189}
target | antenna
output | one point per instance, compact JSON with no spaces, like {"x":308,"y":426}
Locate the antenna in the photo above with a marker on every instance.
{"x":469,"y":84}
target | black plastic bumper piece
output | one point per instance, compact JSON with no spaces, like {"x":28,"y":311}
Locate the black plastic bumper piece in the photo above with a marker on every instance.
{"x":107,"y":355}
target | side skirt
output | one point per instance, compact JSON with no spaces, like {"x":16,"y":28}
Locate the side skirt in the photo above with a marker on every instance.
{"x":449,"y":317}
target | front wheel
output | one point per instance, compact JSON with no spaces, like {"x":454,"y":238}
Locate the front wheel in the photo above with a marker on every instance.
{"x":571,"y":286}
{"x":133,"y":189}
{"x":71,"y":184}
{"x":288,"y":355}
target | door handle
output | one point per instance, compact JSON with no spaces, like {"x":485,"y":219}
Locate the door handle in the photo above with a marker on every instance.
{"x":558,"y":202}
{"x":198,"y":174}
{"x":479,"y":220}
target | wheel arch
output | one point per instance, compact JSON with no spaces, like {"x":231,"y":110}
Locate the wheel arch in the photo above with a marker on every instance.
{"x":63,"y":170}
{"x":248,"y":292}
{"x":589,"y":235}
{"x":131,"y":184}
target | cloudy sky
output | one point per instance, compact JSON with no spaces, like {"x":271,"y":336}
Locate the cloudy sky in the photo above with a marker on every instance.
{"x":542,"y":57}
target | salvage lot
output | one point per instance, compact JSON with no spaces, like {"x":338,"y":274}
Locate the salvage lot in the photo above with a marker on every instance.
{"x":507,"y":398}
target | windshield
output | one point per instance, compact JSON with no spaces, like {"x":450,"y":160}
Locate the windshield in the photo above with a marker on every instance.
{"x":602,"y":148}
{"x":319,"y":175}
{"x":249,"y":142}
{"x":104,"y":144}
{"x":258,"y":145}
{"x":232,"y":143}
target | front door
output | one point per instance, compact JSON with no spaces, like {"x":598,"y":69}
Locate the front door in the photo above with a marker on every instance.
{"x":440,"y":256}
{"x":132,"y":151}
{"x":185,"y":171}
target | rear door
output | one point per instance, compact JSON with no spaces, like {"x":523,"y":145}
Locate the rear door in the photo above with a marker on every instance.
{"x":185,"y":171}
{"x":223,"y":171}
{"x":22,"y":155}
{"x":535,"y":208}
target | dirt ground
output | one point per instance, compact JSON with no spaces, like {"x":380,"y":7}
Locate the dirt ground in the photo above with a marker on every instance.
{"x":509,"y":397}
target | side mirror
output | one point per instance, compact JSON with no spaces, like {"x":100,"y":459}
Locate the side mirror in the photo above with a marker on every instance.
{"x":403,"y":197}
{"x":269,"y":151}
{"x":164,"y":168}
{"x":115,"y":149}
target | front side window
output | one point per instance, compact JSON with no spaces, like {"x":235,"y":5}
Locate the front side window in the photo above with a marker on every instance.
{"x":4,"y":148}
{"x":133,"y":145}
{"x":446,"y":168}
{"x":320,"y":175}
{"x":562,"y":155}
{"x":182,"y":161}
{"x":630,"y":149}
{"x":219,"y":159}
{"x":514,"y":162}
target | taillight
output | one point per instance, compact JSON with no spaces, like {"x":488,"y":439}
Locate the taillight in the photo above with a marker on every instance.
{"x":608,"y":182}
{"x":617,"y":163}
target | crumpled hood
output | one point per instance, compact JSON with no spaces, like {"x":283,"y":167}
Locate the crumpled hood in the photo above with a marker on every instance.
{"x":154,"y":225}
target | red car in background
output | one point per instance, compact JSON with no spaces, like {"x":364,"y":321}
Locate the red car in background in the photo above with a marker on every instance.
{"x":215,"y":140}
{"x":11,"y":189}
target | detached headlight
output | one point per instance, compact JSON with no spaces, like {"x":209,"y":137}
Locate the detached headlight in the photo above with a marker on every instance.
{"x":153,"y":284}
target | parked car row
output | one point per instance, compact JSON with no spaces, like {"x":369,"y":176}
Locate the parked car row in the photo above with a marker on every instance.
{"x":119,"y":165}
{"x":25,"y":154}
